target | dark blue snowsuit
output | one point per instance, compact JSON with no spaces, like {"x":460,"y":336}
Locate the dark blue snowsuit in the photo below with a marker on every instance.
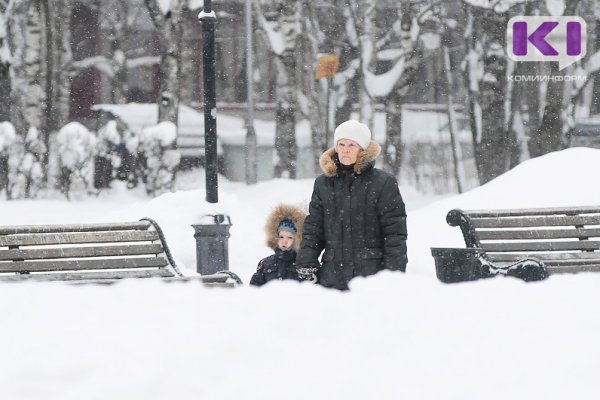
{"x":277,"y":266}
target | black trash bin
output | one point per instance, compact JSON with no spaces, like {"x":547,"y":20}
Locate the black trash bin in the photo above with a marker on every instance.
{"x":458,"y":265}
{"x":212,"y":237}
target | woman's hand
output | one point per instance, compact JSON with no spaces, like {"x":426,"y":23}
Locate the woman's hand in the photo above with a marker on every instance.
{"x":307,"y":274}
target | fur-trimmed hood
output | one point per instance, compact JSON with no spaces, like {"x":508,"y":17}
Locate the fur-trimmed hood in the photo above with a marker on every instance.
{"x":279,"y":213}
{"x":365,"y":158}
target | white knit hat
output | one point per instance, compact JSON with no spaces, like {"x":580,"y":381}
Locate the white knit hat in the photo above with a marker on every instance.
{"x":353,"y":130}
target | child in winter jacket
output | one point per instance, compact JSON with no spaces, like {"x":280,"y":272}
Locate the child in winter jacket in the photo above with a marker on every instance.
{"x":284,"y":233}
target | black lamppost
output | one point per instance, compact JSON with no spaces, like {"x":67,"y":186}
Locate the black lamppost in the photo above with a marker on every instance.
{"x":208,"y":19}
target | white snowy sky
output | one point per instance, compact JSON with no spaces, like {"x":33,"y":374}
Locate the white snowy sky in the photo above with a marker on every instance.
{"x":392,"y":336}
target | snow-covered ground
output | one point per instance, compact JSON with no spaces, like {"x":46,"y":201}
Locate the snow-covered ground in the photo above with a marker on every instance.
{"x":392,"y":336}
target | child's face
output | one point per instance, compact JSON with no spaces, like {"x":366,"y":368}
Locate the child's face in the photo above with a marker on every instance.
{"x":285,"y":240}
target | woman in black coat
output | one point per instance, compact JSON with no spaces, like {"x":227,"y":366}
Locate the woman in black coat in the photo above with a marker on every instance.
{"x":356,"y":214}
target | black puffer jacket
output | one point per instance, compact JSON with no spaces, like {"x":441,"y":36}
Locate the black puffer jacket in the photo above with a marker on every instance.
{"x":277,"y":266}
{"x":358,"y":218}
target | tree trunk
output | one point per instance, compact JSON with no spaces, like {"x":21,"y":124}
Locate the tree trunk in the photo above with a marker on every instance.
{"x":472,"y":82}
{"x":318,"y":107}
{"x":392,"y":151}
{"x":365,"y":26}
{"x":531,"y":94}
{"x":344,"y":88}
{"x":170,"y":69}
{"x":595,"y":105}
{"x":37,"y":33}
{"x":285,"y":115}
{"x":4,"y":67}
{"x":319,"y":92}
{"x":5,"y":90}
{"x":547,"y":137}
{"x":57,"y":15}
{"x":189,"y":54}
{"x":29,"y":98}
{"x":169,"y":26}
{"x":493,"y":150}
{"x":120,"y":35}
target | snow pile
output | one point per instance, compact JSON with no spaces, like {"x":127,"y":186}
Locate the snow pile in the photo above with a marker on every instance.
{"x":77,"y":147}
{"x":7,"y":136}
{"x":392,"y":336}
{"x":25,"y":166}
{"x":155,"y":146}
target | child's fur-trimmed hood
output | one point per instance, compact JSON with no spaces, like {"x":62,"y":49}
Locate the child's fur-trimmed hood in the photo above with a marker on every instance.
{"x":279,"y":213}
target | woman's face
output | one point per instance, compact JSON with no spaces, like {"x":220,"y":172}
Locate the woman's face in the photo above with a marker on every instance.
{"x":285,"y":240}
{"x":347,"y":151}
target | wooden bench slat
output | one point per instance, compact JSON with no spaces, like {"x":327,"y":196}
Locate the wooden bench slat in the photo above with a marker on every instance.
{"x":515,"y":222}
{"x":87,"y":264}
{"x":547,"y":262}
{"x":77,"y":238}
{"x":538,"y":234}
{"x":573,"y":269}
{"x":77,"y":252}
{"x":115,"y":226}
{"x":517,"y":212}
{"x":573,"y":263}
{"x":90,"y":275}
{"x":546,"y":257}
{"x":542,"y":246}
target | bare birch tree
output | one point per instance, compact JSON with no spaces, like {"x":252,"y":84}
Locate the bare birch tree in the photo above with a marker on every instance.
{"x":169,"y":24}
{"x":39,"y":38}
{"x":5,"y":59}
{"x":28,"y":96}
{"x":282,"y":35}
{"x":57,"y":58}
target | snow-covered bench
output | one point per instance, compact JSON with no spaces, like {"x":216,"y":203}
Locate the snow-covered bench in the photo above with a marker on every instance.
{"x":560,"y":239}
{"x":98,"y":252}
